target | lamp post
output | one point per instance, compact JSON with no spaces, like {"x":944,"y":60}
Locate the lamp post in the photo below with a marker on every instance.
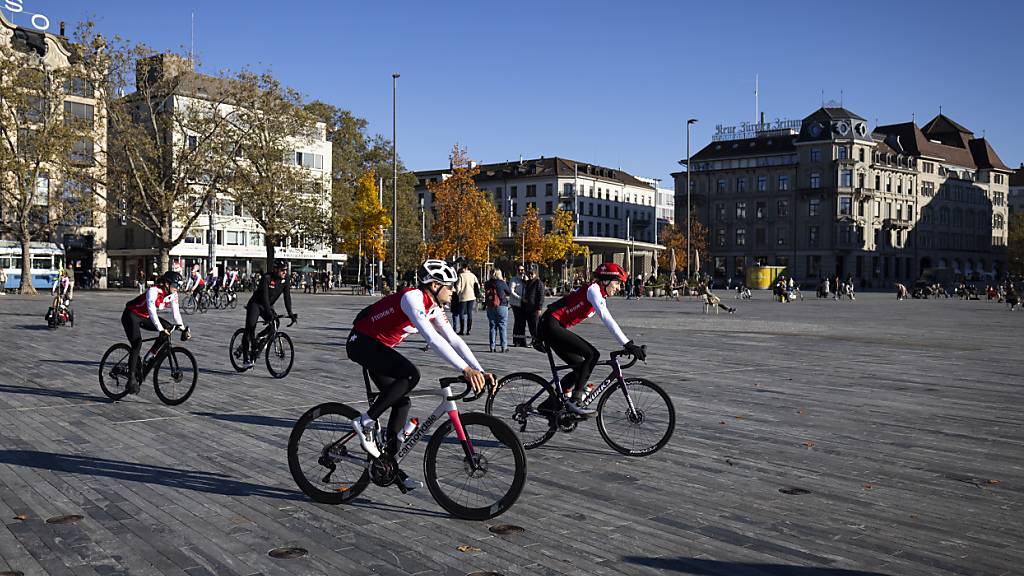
{"x":423,"y":224}
{"x":394,"y":182}
{"x":688,"y":123}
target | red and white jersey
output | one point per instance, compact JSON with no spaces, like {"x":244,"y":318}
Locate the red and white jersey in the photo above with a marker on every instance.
{"x":149,"y":304}
{"x":393,"y":318}
{"x":582,"y":304}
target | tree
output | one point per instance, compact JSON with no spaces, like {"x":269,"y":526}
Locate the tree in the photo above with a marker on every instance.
{"x":283,"y":197}
{"x":467,"y":223}
{"x":1015,"y":244}
{"x":362,"y":228}
{"x":170,"y":142}
{"x":560,"y":243}
{"x":530,"y":241}
{"x":354,"y":153}
{"x":48,"y":165}
{"x":674,"y":239}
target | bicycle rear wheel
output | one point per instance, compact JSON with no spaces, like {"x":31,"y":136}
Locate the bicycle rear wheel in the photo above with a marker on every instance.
{"x":641,"y":430}
{"x":510,"y":402}
{"x":280,"y":355}
{"x":201,"y":304}
{"x":235,"y":351}
{"x":233,"y":300}
{"x":174,"y":379}
{"x":500,"y":467}
{"x":324,"y":455}
{"x":114,"y":371}
{"x":188,"y":305}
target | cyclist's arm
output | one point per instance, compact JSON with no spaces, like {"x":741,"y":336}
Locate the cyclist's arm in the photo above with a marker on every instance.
{"x":601,"y":306}
{"x":176,"y":312}
{"x":264,"y":292}
{"x":154,"y":314}
{"x":440,"y":322}
{"x":288,"y":298}
{"x":412,"y":305}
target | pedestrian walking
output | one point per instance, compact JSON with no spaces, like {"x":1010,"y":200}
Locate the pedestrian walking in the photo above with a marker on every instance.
{"x":516,"y":284}
{"x":533,"y":300}
{"x":468,"y":289}
{"x":496,"y":295}
{"x":3,"y":282}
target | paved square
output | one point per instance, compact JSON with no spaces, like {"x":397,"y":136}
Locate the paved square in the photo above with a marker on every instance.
{"x":903,"y":420}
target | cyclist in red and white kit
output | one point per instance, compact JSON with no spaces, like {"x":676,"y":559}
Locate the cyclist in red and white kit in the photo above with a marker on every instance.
{"x":196,"y":282}
{"x":570,"y":310}
{"x":143,"y":312}
{"x":380,"y":327}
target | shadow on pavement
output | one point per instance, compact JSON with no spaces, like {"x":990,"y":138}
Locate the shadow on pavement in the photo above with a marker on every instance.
{"x":199,"y":481}
{"x":41,"y":326}
{"x":15,"y":389}
{"x":701,"y":566}
{"x":75,"y":362}
{"x":250,"y":419}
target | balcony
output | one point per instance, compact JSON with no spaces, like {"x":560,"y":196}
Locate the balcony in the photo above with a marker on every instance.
{"x":896,"y":223}
{"x":864,"y":193}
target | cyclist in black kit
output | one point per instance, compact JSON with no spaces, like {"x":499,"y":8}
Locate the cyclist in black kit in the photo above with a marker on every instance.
{"x":261,"y":305}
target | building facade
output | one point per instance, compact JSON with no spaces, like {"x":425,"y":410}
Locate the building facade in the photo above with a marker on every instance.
{"x":83,"y":239}
{"x":834,"y":198}
{"x":1015,"y":201}
{"x":239,"y":240}
{"x":614,"y":211}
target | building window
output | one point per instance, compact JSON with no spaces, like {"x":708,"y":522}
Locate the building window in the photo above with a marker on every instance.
{"x":878,"y":182}
{"x":567,"y":189}
{"x":531,"y":190}
{"x":76,"y":111}
{"x":998,"y":222}
{"x":812,"y":236}
{"x":82,"y":151}
{"x":234,"y":238}
{"x":860,"y":154}
{"x":813,"y":207}
{"x":841,"y":153}
{"x":783,"y":183}
{"x":741,"y":237}
{"x":780,"y":236}
{"x":547,"y":226}
{"x":721,"y":185}
{"x":815,"y":180}
{"x":590,"y":228}
{"x":309,"y":160}
{"x":860,"y":180}
{"x":79,"y":87}
{"x":815,"y":155}
{"x":759,"y":237}
{"x":741,"y":184}
{"x":721,"y":237}
{"x":846,"y":177}
{"x":888,"y":183}
{"x":547,"y":207}
{"x":549,"y":189}
{"x":720,"y":212}
{"x":513,"y":191}
{"x":845,"y":206}
{"x":762,"y":183}
{"x":759,"y":210}
{"x":741,"y":210}
{"x":782,"y":208}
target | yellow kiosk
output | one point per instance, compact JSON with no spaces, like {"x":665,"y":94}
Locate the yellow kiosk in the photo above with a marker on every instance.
{"x":762,"y":277}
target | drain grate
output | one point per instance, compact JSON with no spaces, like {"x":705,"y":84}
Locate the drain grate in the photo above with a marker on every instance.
{"x":794,"y":491}
{"x":69,"y":519}
{"x":505,"y":529}
{"x":288,"y":552}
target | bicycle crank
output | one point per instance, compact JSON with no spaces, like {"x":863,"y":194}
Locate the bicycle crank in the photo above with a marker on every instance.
{"x":567,"y":422}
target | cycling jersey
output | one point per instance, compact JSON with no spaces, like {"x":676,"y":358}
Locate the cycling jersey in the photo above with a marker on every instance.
{"x":149,"y":304}
{"x":231,"y":279}
{"x":393,"y":318}
{"x":269,"y":290}
{"x":197,"y":280}
{"x":581,"y":304}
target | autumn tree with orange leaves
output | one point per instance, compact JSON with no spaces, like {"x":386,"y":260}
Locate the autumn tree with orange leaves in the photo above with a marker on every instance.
{"x":529,"y":244}
{"x":466,"y":223}
{"x":674,"y":240}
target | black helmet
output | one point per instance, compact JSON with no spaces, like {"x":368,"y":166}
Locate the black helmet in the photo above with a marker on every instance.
{"x":172,"y":279}
{"x":279,"y":263}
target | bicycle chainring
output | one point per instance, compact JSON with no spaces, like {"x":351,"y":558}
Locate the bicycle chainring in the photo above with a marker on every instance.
{"x":567,"y":421}
{"x":384,"y":470}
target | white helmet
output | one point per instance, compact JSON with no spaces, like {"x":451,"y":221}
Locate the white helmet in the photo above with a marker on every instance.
{"x":436,"y":271}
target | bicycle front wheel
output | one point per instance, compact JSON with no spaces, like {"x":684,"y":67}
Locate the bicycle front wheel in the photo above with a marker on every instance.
{"x":636,"y":419}
{"x":280,"y":355}
{"x":235,"y":351}
{"x":201,"y":304}
{"x":511,"y":402}
{"x":189,"y":305}
{"x":174,"y":379}
{"x":324,"y":455}
{"x":483,"y":483}
{"x":114,"y":371}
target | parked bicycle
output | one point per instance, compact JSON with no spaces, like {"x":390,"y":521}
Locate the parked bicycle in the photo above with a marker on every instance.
{"x":474,"y":465}
{"x":280,"y":353}
{"x":174,"y":370}
{"x":634,"y":416}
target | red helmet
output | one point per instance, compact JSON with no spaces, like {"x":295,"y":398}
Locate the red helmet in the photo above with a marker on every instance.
{"x":610,"y":271}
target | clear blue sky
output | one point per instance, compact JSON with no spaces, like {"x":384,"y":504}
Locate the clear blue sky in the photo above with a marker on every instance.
{"x":606,"y":82}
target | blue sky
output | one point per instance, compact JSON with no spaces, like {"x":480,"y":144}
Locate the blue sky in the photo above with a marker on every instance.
{"x":605,"y":82}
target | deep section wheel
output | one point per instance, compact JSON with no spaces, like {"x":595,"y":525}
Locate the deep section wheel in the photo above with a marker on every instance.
{"x":324,"y":456}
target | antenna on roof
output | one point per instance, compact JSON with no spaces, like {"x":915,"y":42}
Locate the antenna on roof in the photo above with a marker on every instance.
{"x":822,"y":97}
{"x":840,"y":98}
{"x":940,"y":109}
{"x":913,"y":117}
{"x":757,"y":102}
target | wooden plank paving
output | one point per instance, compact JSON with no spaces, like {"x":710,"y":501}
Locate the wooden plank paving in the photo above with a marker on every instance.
{"x":902,"y":419}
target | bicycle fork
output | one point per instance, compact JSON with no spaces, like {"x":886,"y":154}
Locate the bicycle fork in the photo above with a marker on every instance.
{"x":472,"y":462}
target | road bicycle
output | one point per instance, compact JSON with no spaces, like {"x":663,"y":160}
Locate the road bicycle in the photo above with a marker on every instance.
{"x":634,"y":416}
{"x":227,"y":299}
{"x":174,"y":370}
{"x":195,"y":303}
{"x":280,"y":353}
{"x":474,"y":464}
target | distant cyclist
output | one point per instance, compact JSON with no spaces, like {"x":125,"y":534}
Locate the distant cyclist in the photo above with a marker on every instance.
{"x":381,"y":326}
{"x":569,"y":311}
{"x":261,"y":305}
{"x":196,"y":283}
{"x":142,"y":312}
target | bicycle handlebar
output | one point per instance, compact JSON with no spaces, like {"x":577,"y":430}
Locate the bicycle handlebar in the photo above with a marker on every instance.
{"x":445,"y":382}
{"x":620,"y":353}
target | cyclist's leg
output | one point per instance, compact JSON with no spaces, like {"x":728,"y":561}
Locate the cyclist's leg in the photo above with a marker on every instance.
{"x":130,"y":323}
{"x":252,"y":315}
{"x":575,"y":351}
{"x":393,"y":374}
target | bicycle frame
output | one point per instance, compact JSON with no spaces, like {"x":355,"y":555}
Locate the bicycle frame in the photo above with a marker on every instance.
{"x":615,"y":377}
{"x":163,"y":345}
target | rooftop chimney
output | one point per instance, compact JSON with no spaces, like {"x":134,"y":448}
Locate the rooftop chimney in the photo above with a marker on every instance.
{"x":62,"y":28}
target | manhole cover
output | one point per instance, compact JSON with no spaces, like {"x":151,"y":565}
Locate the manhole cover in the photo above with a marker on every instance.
{"x":505,"y":529}
{"x":288,"y":552}
{"x":794,"y":491}
{"x":69,"y":519}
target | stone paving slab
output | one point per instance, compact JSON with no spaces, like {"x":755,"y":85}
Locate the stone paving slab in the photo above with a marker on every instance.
{"x":902,"y":419}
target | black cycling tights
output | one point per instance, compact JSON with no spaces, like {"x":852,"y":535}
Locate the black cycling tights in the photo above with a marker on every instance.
{"x":575,"y":351}
{"x":395,"y":377}
{"x":133,"y":326}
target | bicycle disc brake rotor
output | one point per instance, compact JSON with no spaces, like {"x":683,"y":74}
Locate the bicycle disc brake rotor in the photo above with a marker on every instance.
{"x":477,"y":468}
{"x":635,"y":416}
{"x":567,"y":422}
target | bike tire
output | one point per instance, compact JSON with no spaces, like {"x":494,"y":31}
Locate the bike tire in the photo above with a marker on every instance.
{"x":189,"y":305}
{"x":233,"y":301}
{"x":652,"y":404}
{"x":281,"y":350}
{"x":477,"y":426}
{"x":533,"y":428}
{"x":180,"y":376}
{"x":201,"y":304}
{"x":71,"y":318}
{"x":235,"y":352}
{"x":114,"y":384}
{"x":335,"y":418}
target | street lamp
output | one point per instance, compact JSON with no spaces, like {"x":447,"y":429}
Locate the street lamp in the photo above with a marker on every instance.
{"x":394,"y":182}
{"x":688,"y":123}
